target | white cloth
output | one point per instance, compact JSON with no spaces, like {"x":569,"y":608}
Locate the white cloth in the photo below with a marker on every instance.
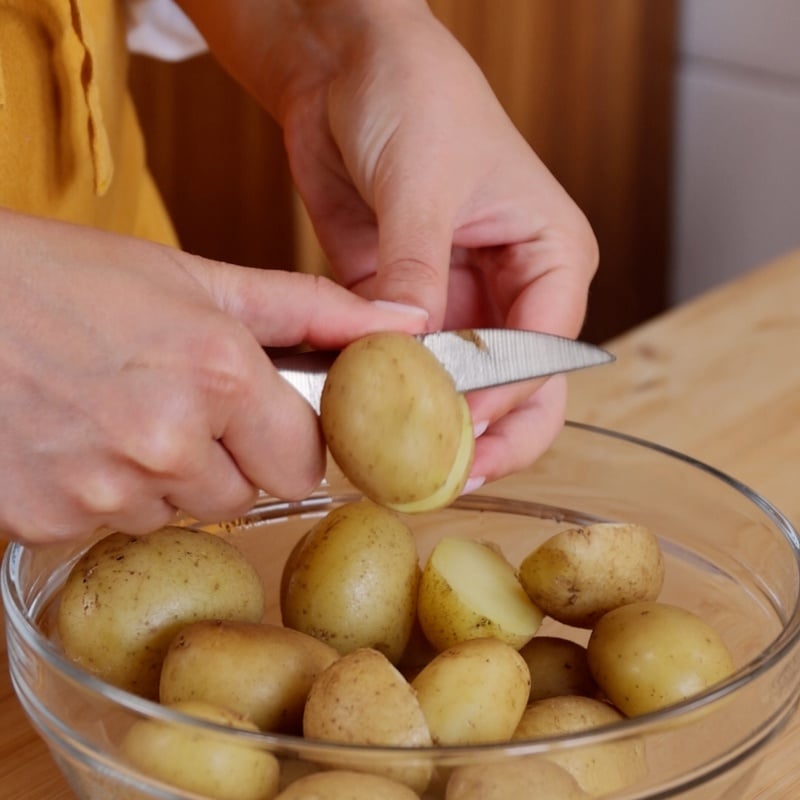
{"x":160,"y":29}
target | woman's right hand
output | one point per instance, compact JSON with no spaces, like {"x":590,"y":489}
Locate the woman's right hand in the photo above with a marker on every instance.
{"x":133,"y":383}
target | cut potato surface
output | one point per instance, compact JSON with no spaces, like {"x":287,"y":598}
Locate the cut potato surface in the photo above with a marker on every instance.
{"x":469,"y":590}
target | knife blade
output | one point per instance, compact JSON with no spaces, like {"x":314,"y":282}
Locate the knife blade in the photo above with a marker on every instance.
{"x":476,"y":358}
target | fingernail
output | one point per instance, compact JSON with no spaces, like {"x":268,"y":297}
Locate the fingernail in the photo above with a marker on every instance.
{"x":401,"y":308}
{"x":473,"y":483}
{"x":479,"y":428}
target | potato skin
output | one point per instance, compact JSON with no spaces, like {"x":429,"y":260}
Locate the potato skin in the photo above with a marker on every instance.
{"x":474,"y":692}
{"x":558,"y":667}
{"x":579,"y":574}
{"x":127,"y":597}
{"x":526,"y":777}
{"x":394,"y":422}
{"x":363,"y":699}
{"x":201,"y":761}
{"x":353,"y":580}
{"x":340,"y":784}
{"x":598,"y":769}
{"x":263,"y":672}
{"x":649,"y":655}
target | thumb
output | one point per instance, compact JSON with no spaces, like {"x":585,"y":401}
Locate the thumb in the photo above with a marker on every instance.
{"x":414,"y":245}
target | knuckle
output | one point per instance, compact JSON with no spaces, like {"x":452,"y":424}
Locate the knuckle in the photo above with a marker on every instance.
{"x":163,"y":449}
{"x":223,"y":360}
{"x":99,"y":493}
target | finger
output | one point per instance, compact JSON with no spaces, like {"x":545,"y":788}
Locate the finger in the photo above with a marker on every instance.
{"x":414,"y":259}
{"x":489,"y":405}
{"x":517,"y":439}
{"x":543,"y":284}
{"x":273,"y":435}
{"x":416,"y":206}
{"x":139,"y":518}
{"x":217,"y":490}
{"x":286,"y":308}
{"x":67,"y":517}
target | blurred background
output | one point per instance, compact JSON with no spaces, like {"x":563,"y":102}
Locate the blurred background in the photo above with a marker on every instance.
{"x":674,"y":124}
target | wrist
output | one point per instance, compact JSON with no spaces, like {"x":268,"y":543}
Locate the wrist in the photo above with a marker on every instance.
{"x":282,"y":49}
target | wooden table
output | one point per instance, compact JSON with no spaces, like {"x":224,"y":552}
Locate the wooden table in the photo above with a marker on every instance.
{"x":718,"y":378}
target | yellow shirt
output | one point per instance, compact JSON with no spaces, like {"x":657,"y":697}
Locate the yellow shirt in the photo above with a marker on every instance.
{"x":70,"y":144}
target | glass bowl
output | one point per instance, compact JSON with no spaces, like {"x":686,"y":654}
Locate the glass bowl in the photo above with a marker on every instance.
{"x":730,"y":556}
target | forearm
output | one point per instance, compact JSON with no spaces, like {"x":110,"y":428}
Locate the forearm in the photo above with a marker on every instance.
{"x":281,"y":49}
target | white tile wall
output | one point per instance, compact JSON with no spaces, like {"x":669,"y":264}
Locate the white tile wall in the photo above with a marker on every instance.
{"x":737,"y":140}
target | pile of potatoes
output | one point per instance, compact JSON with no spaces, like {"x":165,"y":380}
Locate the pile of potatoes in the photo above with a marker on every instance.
{"x":376,"y":648}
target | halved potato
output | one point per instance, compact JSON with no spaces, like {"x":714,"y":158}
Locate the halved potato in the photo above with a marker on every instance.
{"x":469,"y":590}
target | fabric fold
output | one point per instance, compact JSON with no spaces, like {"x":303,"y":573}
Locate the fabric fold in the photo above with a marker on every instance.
{"x":100,"y":149}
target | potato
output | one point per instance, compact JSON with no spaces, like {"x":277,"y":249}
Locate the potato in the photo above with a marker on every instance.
{"x":558,"y":667}
{"x":339,"y":784}
{"x":474,"y":692}
{"x":200,"y":760}
{"x":531,"y":777}
{"x":263,"y":672}
{"x":648,"y":655}
{"x":469,"y":591}
{"x":579,"y":574}
{"x":395,"y":424}
{"x":362,"y":699}
{"x":353,"y":581}
{"x":127,"y":596}
{"x":599,"y":769}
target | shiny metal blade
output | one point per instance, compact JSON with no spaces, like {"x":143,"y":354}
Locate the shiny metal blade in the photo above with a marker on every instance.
{"x":483,"y":357}
{"x":476,"y":358}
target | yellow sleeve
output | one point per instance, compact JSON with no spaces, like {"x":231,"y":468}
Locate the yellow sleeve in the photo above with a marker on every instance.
{"x":70,"y":144}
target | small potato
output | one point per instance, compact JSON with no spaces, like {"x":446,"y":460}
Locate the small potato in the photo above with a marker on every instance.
{"x":362,"y":699}
{"x":474,"y":692}
{"x":531,"y":777}
{"x":469,"y":591}
{"x":646,"y":656}
{"x":558,"y":667}
{"x":352,"y":582}
{"x":263,"y":672}
{"x":339,"y":784}
{"x":579,"y":574}
{"x":395,"y":424}
{"x":599,"y":769}
{"x":202,"y":761}
{"x":127,"y":597}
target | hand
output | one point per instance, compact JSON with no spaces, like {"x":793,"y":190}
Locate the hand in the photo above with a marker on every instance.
{"x":420,"y":189}
{"x":133,"y":381}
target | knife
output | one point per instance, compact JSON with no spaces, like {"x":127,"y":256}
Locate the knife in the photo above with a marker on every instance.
{"x":476,"y":358}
